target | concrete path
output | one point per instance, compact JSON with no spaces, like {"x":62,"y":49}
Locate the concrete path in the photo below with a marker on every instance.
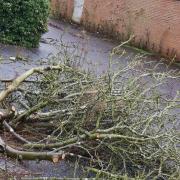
{"x":93,"y":50}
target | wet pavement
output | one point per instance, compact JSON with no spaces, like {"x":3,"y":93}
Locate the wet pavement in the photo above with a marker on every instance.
{"x":86,"y":50}
{"x":35,"y":169}
{"x":93,"y":50}
{"x":64,"y":169}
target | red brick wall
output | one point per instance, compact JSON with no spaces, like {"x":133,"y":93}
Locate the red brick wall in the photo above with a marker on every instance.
{"x":62,"y":8}
{"x":155,"y":23}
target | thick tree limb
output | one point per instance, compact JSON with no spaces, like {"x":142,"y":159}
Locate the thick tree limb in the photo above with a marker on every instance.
{"x":27,"y":74}
{"x":28,"y":112}
{"x":11,"y":130}
{"x":57,"y":112}
{"x":24,"y":155}
{"x":90,"y":136}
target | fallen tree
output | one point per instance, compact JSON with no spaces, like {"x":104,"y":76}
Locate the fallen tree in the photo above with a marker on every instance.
{"x":119,"y":123}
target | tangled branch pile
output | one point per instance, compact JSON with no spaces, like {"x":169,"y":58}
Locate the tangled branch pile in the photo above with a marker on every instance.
{"x":119,"y":123}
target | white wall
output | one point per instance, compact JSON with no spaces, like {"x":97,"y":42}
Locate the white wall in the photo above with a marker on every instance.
{"x":78,"y":10}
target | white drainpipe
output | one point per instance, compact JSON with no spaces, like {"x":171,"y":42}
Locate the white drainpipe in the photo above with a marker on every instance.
{"x":78,"y":10}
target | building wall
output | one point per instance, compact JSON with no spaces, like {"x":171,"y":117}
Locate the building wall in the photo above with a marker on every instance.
{"x":155,"y":24}
{"x":62,"y":8}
